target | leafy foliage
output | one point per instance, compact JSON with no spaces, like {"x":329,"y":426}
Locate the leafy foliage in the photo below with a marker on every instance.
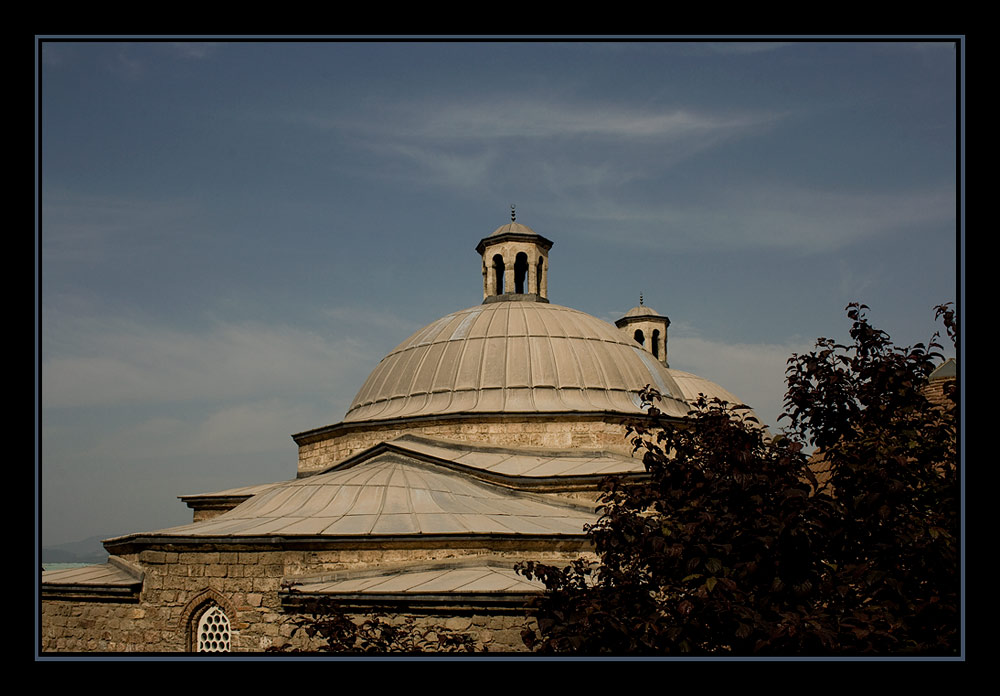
{"x":734,"y":546}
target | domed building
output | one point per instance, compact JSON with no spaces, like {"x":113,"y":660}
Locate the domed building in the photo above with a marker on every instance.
{"x":477,"y":442}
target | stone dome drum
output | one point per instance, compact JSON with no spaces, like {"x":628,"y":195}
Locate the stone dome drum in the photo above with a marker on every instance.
{"x":514,"y":357}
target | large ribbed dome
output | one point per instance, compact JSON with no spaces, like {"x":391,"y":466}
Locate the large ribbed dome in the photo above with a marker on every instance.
{"x":513,"y":357}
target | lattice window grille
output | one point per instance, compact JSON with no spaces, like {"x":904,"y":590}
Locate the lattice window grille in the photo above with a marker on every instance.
{"x":213,"y":631}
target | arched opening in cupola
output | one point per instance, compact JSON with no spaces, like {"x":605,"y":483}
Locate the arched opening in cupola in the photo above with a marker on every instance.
{"x":520,"y":272}
{"x":498,"y":269}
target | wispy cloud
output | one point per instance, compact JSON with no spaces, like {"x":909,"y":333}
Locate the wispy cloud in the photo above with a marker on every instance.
{"x":855,"y":283}
{"x":375,"y":317}
{"x":780,"y":216}
{"x":193,"y":49}
{"x":125,"y":64}
{"x":818,"y":220}
{"x":81,"y":219}
{"x":500,"y":140}
{"x":741,"y":47}
{"x":250,"y":428}
{"x":55,"y":54}
{"x":526,"y":118}
{"x":461,"y":169}
{"x":107,"y":361}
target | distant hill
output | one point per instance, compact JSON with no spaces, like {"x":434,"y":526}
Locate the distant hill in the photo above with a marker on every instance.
{"x":87,"y":551}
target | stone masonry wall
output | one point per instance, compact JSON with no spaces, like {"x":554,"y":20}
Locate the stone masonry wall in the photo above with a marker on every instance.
{"x":81,"y":626}
{"x":935,"y":392}
{"x":245,"y":584}
{"x":565,"y":434}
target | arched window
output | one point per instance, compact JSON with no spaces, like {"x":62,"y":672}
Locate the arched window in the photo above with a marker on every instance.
{"x":520,"y":272}
{"x":538,"y":276}
{"x":206,"y":622}
{"x":639,"y":338}
{"x":498,"y":269}
{"x":213,"y":634}
{"x":656,"y":343}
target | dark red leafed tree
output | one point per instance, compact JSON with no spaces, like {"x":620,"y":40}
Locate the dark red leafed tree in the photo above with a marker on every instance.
{"x":734,"y":546}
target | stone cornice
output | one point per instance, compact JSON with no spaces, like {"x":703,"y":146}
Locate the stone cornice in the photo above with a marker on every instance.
{"x":318,"y":434}
{"x":538,"y":239}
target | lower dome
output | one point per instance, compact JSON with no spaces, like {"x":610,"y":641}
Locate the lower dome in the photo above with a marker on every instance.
{"x":514,"y":357}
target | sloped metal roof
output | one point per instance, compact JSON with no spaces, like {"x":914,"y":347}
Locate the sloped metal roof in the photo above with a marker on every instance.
{"x":232,"y":492}
{"x":477,"y":577}
{"x":528,"y":463}
{"x":946,"y":370}
{"x":391,"y":495}
{"x":103,"y":574}
{"x":513,"y":357}
{"x":117,"y":579}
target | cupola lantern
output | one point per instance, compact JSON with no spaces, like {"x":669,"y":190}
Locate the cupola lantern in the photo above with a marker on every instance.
{"x":515,"y":264}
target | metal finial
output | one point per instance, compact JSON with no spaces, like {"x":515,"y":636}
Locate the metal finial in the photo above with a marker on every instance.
{"x":512,"y":214}
{"x":640,"y":299}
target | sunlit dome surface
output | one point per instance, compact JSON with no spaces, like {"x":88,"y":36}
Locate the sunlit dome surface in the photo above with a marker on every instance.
{"x":513,"y":357}
{"x":692,"y":386}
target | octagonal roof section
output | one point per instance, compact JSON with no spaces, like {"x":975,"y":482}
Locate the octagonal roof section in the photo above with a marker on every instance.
{"x":642,"y":311}
{"x":514,"y":357}
{"x":513,"y":231}
{"x":388,"y":495}
{"x":513,"y":228}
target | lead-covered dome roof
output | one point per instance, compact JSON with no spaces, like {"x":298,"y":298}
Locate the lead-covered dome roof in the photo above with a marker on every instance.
{"x":513,"y":228}
{"x":513,"y":357}
{"x":641,"y":311}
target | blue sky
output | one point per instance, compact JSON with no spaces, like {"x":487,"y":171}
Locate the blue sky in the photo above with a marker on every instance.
{"x":234,"y":233}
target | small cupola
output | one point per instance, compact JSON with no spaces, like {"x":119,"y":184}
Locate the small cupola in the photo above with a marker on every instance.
{"x":515,"y":264}
{"x":647,"y":328}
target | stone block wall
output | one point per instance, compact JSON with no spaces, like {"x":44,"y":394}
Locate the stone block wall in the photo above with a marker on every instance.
{"x":180,"y":585}
{"x":935,"y":392}
{"x":319,"y":453}
{"x":92,"y":626}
